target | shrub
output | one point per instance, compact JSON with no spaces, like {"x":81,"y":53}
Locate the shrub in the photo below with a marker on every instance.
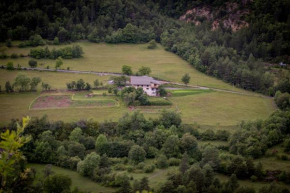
{"x":137,"y":154}
{"x":14,"y":55}
{"x":152,"y":44}
{"x":254,"y":178}
{"x":284,"y":157}
{"x":120,"y":167}
{"x":152,"y":152}
{"x":141,"y":165}
{"x":149,"y":168}
{"x":130,"y":169}
{"x":115,"y":160}
{"x":32,"y":63}
{"x":3,"y":56}
{"x":10,"y":66}
{"x":174,"y":161}
{"x":162,"y":162}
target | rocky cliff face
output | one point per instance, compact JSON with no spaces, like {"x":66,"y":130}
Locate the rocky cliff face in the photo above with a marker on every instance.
{"x":230,"y":15}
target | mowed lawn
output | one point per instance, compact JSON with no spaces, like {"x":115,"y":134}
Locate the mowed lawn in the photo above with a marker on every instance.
{"x":82,"y":183}
{"x":55,"y":79}
{"x":103,"y":57}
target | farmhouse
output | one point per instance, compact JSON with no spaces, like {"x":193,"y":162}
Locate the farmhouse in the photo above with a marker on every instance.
{"x":149,"y":85}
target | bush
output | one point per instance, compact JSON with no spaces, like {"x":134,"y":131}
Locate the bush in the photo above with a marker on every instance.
{"x":115,"y":160}
{"x":137,"y":154}
{"x":284,"y":157}
{"x":10,"y":66}
{"x":14,"y":55}
{"x":162,"y":162}
{"x":152,"y":44}
{"x":149,"y":168}
{"x":120,"y":167}
{"x":152,"y":152}
{"x":141,"y":165}
{"x":32,"y":63}
{"x":254,"y":178}
{"x":3,"y":56}
{"x":130,"y":169}
{"x":174,"y":161}
{"x":208,"y":135}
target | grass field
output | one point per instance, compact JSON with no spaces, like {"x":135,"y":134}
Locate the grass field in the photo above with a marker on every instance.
{"x":17,"y":106}
{"x":208,"y":109}
{"x":66,"y":101}
{"x":55,"y":79}
{"x":78,"y":181}
{"x":248,"y":183}
{"x":219,"y":108}
{"x":185,"y":92}
{"x":110,"y":58}
{"x":205,"y":107}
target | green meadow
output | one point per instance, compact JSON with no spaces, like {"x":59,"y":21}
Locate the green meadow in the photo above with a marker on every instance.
{"x":203,"y":106}
{"x":102,"y":57}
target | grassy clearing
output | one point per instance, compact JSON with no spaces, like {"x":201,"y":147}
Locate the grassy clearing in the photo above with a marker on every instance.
{"x":159,"y":101}
{"x":79,"y":181}
{"x":55,"y":79}
{"x":178,"y":93}
{"x":155,"y":178}
{"x":272,"y":163}
{"x":218,"y":108}
{"x":248,"y":183}
{"x":212,"y":143}
{"x":209,"y":108}
{"x":214,"y":110}
{"x":110,"y":58}
{"x":17,"y":106}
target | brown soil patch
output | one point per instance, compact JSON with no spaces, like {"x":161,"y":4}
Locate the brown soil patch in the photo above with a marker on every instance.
{"x":52,"y":102}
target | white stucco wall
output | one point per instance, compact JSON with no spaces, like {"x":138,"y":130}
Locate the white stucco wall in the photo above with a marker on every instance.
{"x":148,"y":90}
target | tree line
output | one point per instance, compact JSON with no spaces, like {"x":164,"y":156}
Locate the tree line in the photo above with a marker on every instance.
{"x":68,"y":52}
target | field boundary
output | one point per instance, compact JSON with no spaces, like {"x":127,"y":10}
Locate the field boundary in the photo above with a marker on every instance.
{"x":117,"y":104}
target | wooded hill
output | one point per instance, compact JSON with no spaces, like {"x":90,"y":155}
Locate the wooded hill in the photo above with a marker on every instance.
{"x":231,"y":56}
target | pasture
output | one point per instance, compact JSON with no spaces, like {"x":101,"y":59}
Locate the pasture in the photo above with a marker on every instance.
{"x":103,"y":57}
{"x":55,"y":79}
{"x":205,"y":107}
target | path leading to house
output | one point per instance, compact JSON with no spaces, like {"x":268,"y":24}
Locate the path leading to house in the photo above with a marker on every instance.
{"x":164,"y":82}
{"x":215,"y":89}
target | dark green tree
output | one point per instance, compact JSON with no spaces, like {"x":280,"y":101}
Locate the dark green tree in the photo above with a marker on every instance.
{"x":127,"y":70}
{"x":183,"y":167}
{"x":58,"y":183}
{"x":185,"y":79}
